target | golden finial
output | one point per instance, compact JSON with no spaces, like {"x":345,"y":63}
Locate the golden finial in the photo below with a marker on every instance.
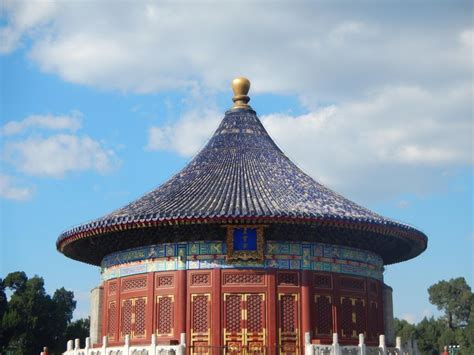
{"x":241,"y":87}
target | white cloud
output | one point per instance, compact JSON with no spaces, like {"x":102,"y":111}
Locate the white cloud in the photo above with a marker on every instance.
{"x":347,"y":30}
{"x":400,"y":139}
{"x":59,"y":154}
{"x":71,"y":122}
{"x":466,"y":37}
{"x":417,"y":317}
{"x":9,"y":189}
{"x":187,"y":135}
{"x":24,"y":17}
{"x":31,"y":147}
{"x":403,"y":204}
{"x":389,"y":93}
{"x":329,"y":51}
{"x":410,"y":318}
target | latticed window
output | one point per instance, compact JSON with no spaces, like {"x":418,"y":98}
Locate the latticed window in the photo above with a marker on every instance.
{"x":127,"y":315}
{"x":373,"y":321}
{"x":287,"y":278}
{"x":140,"y":313}
{"x":233,"y":312}
{"x":133,"y":284}
{"x":112,"y":318}
{"x":349,"y":283}
{"x":346,"y":317}
{"x":164,"y":315}
{"x":164,"y":281}
{"x":200,"y":323}
{"x":255,"y":313}
{"x":200,"y":314}
{"x":323,"y":314}
{"x":112,"y":288}
{"x":243,"y":278}
{"x":359,"y":310}
{"x":133,"y":317}
{"x":322,"y":281}
{"x":201,"y":279}
{"x":353,"y":316}
{"x":373,"y":287}
{"x":288,"y":315}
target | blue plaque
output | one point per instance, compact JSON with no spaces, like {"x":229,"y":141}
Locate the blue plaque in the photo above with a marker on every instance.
{"x":245,"y":239}
{"x":245,"y":243}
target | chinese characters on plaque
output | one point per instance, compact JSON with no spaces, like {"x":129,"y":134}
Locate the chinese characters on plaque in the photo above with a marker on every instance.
{"x":245,"y":243}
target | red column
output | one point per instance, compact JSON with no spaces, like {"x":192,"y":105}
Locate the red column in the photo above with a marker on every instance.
{"x":188,"y":313}
{"x":306,"y":303}
{"x":216,"y":309}
{"x":381,"y":307}
{"x":336,"y":306}
{"x":272,"y":316}
{"x":181,"y":303}
{"x":150,"y":320}
{"x":118,"y":309}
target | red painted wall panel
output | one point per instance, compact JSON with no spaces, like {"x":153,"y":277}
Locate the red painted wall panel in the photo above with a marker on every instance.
{"x":164,"y":303}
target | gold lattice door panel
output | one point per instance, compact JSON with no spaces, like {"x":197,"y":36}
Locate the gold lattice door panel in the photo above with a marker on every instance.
{"x":322,"y":316}
{"x":201,"y":324}
{"x":133,"y":317}
{"x":164,"y":315}
{"x":112,"y":320}
{"x":244,"y":319}
{"x":353,"y":319}
{"x":288,"y":331}
{"x":373,"y":321}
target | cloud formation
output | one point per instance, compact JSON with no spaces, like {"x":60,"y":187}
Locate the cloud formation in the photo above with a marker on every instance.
{"x":41,"y":153}
{"x":400,"y":139}
{"x":59,"y":154}
{"x":328,"y":51}
{"x":9,"y":190}
{"x":71,"y":122}
{"x":187,"y":135}
{"x":387,"y":89}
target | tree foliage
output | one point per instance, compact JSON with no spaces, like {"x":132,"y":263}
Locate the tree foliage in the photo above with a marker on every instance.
{"x":404,"y":329}
{"x":78,"y":329}
{"x":454,"y":298}
{"x":456,"y":327}
{"x":31,"y":318}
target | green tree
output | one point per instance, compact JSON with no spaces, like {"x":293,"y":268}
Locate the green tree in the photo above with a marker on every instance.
{"x":465,"y":336}
{"x":27,"y":320}
{"x":3,"y":308}
{"x":32,"y":319}
{"x":428,"y":332}
{"x":404,"y":329}
{"x":78,"y":329}
{"x":454,"y":298}
{"x":63,"y":308}
{"x":16,"y":281}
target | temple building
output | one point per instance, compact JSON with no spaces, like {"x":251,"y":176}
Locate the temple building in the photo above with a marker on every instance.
{"x":241,"y":252}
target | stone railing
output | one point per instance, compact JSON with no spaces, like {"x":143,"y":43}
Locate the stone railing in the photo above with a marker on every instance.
{"x":361,"y":349}
{"x":73,"y":348}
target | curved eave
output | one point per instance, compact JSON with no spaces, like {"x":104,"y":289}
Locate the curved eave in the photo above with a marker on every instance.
{"x":407,"y":242}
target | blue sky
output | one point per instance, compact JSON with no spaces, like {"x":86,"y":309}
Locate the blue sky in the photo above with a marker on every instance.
{"x":101,"y":102}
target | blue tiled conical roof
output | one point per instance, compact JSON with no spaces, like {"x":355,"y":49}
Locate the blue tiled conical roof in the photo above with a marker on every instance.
{"x":241,"y":175}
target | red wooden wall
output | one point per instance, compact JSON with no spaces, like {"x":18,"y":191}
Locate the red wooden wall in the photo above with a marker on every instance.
{"x":274,"y":307}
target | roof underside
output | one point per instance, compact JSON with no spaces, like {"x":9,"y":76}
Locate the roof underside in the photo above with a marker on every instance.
{"x":240,"y":174}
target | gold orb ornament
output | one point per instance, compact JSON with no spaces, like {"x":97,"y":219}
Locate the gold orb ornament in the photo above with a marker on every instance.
{"x":241,"y":87}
